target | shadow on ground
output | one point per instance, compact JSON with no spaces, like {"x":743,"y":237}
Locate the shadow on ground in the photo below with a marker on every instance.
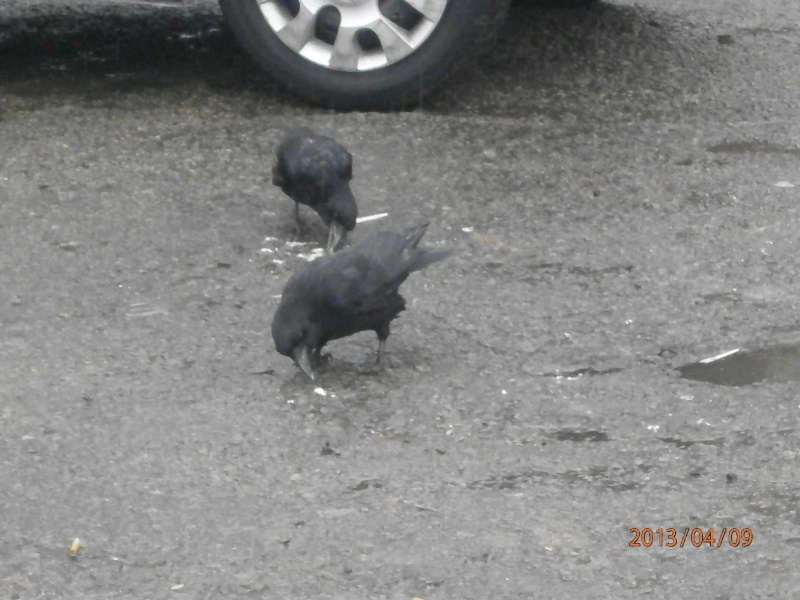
{"x":113,"y":48}
{"x":117,"y":48}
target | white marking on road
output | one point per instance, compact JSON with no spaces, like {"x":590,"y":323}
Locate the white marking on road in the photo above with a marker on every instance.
{"x":371,"y":217}
{"x":711,"y":359}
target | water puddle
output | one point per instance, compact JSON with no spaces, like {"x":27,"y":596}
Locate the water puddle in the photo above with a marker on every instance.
{"x":735,"y":368}
{"x":580,"y":435}
{"x":752,"y":147}
{"x":684,"y":444}
{"x":613,"y":479}
{"x":578,"y":373}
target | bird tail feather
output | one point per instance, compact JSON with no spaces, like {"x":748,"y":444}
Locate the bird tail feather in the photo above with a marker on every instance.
{"x":414,"y":234}
{"x":425,"y":258}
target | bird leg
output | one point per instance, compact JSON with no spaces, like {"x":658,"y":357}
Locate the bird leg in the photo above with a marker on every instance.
{"x":318,"y":357}
{"x":382,"y":332}
{"x":297,"y":228}
{"x":381,"y":350}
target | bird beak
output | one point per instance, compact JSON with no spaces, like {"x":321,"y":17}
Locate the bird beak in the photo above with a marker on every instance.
{"x":301,"y":358}
{"x":335,"y":234}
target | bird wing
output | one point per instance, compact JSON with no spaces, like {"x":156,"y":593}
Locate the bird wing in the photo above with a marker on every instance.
{"x":310,"y":160}
{"x":355,"y":285}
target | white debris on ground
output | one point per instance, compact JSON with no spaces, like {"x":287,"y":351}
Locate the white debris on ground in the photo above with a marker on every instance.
{"x":320,"y":391}
{"x":313,"y":255}
{"x":285,"y":249}
{"x":784,"y":184}
{"x":467,"y":229}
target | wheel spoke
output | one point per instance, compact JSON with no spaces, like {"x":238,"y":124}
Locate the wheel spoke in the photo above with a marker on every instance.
{"x":395,"y":45}
{"x":346,"y":50}
{"x":430,"y":9}
{"x":297,"y":32}
{"x":350,"y":51}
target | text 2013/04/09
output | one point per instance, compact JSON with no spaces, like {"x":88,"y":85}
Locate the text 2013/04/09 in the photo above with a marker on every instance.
{"x":697,"y":537}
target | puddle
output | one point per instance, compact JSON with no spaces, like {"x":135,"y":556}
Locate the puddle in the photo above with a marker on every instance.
{"x":684,"y":444}
{"x":577,"y":373}
{"x":778,"y":364}
{"x":752,"y":146}
{"x":613,"y":479}
{"x":580,"y":435}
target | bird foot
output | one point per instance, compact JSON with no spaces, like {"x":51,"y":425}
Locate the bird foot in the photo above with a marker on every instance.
{"x":381,"y":351}
{"x":372,"y":368}
{"x":322,"y":359}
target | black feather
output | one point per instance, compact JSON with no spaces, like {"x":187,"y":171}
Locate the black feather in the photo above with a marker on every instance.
{"x":316,"y":170}
{"x":351,"y":291}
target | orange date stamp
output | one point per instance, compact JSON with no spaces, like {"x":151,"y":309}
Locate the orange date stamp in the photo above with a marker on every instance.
{"x":697,"y":537}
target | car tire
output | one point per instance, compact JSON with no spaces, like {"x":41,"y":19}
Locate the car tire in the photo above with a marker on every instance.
{"x":460,"y":31}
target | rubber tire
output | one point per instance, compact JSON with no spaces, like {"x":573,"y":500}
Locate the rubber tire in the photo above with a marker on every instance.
{"x":466,"y":28}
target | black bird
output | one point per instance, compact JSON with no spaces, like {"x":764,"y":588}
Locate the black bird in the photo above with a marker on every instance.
{"x":316,"y":171}
{"x":347,"y":292}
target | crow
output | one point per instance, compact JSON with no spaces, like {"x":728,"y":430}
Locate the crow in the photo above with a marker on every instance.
{"x":354,"y":290}
{"x":316,"y":171}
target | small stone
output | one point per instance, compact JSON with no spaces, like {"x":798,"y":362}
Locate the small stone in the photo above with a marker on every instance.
{"x":328,"y":451}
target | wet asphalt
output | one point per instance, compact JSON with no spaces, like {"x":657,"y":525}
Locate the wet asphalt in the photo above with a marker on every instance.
{"x":622,"y":184}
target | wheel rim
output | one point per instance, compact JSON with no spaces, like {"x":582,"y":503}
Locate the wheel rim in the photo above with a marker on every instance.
{"x":353,"y":35}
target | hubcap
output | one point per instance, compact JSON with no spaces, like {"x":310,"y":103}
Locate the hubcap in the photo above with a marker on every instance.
{"x":353,"y":35}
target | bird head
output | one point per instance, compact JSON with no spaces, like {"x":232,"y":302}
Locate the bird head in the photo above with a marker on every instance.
{"x":278,"y":178}
{"x":341,"y":215}
{"x":291,"y":333}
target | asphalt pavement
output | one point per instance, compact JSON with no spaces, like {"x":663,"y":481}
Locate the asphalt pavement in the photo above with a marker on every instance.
{"x":622,"y":186}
